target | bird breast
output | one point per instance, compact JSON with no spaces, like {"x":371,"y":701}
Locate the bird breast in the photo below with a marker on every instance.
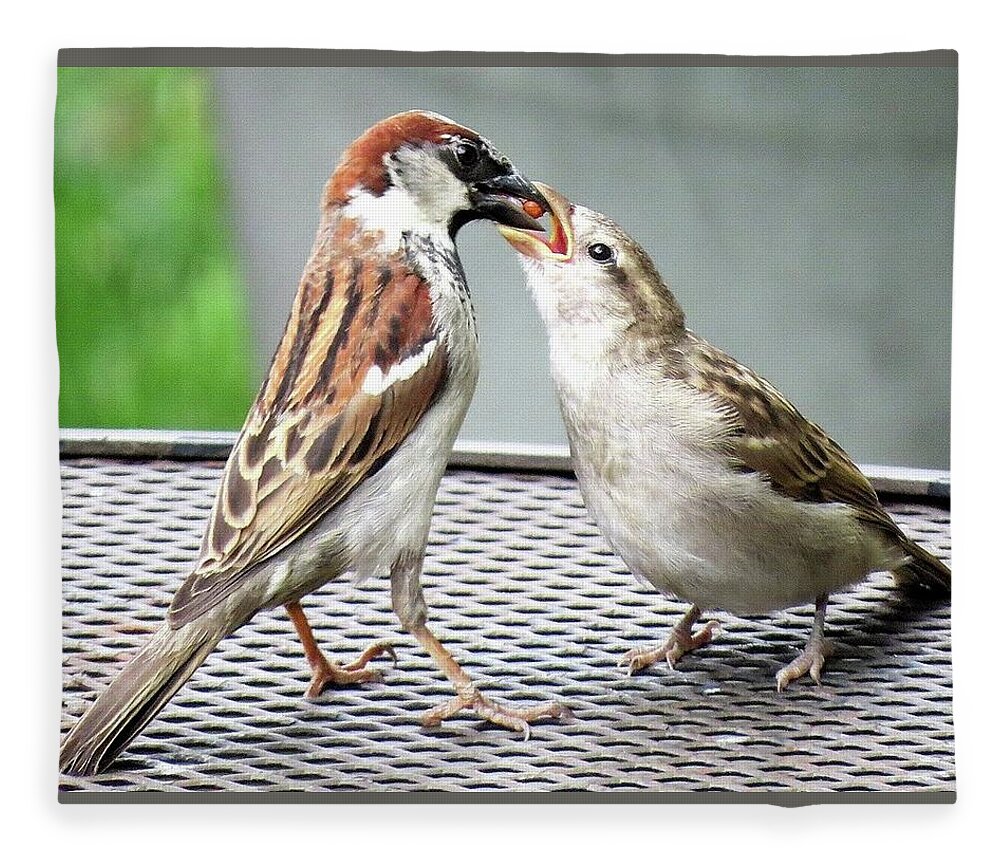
{"x":648,"y":454}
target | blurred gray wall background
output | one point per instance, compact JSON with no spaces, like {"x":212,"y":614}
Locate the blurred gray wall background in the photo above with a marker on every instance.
{"x":802,"y":216}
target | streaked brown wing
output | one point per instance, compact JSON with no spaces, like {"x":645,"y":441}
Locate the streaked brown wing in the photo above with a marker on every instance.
{"x":773,"y":438}
{"x":326,"y":417}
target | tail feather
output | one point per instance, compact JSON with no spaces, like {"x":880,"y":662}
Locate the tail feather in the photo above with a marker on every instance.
{"x":924,"y":571}
{"x":136,"y":696}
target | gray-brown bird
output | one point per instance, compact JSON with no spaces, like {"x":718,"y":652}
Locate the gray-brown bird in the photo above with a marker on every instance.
{"x":707,"y":481}
{"x":338,"y":463}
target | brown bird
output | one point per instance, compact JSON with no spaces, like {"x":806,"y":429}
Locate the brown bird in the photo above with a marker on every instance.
{"x":704,"y":478}
{"x":338,"y":463}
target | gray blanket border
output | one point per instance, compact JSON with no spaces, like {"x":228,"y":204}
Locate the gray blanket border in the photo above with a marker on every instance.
{"x":96,"y":57}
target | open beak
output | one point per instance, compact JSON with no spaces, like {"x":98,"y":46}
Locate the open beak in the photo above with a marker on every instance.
{"x":502,"y":200}
{"x":533,"y":242}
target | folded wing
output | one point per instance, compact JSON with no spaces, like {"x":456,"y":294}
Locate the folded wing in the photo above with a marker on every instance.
{"x":771,"y":437}
{"x":358,"y":366}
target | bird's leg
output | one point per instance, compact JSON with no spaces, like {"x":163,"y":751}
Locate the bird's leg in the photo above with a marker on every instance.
{"x":408,"y":603}
{"x":469,"y":698}
{"x":325,"y":673}
{"x":813,"y":655}
{"x":680,"y":641}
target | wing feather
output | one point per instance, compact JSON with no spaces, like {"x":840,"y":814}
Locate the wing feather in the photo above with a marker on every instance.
{"x":315,"y":432}
{"x":771,"y":437}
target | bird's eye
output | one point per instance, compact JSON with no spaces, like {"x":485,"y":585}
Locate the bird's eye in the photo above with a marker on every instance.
{"x":601,"y":253}
{"x":467,"y":153}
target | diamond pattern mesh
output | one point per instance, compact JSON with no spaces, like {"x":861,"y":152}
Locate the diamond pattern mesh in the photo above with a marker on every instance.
{"x":524,"y":591}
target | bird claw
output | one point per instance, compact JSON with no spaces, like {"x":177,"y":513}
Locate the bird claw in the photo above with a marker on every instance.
{"x":327,"y":674}
{"x":638,"y":659}
{"x":810,"y":662}
{"x":516,"y":719}
{"x":704,"y":636}
{"x":376,"y":649}
{"x":671,"y":651}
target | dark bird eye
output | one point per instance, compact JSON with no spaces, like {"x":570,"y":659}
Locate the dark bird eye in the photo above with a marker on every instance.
{"x":600,"y":252}
{"x":467,"y":154}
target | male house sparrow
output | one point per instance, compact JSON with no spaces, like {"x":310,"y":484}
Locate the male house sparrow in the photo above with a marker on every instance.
{"x":703,"y":477}
{"x":339,"y":460}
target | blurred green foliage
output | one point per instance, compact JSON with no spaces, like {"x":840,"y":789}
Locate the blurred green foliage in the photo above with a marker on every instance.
{"x":151,"y":321}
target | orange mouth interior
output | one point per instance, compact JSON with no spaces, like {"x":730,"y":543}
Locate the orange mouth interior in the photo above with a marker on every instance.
{"x":558,"y":244}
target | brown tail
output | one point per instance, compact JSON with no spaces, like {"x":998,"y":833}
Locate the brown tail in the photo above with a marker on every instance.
{"x":138,"y":694}
{"x":924,"y":571}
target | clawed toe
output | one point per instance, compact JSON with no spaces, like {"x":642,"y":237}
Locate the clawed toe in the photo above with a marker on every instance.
{"x":337,"y":677}
{"x":327,"y":674}
{"x":704,"y":636}
{"x":376,"y":649}
{"x":809,"y":662}
{"x":638,"y":659}
{"x":681,"y":641}
{"x":515,"y":719}
{"x":813,"y":656}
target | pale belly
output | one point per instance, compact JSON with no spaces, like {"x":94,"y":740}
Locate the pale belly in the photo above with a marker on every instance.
{"x":719,"y":539}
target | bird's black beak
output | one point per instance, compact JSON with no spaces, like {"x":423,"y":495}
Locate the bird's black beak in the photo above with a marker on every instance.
{"x":502,"y":199}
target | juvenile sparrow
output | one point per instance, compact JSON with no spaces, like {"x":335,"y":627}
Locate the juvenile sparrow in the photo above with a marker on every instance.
{"x":706,"y":481}
{"x":339,"y":460}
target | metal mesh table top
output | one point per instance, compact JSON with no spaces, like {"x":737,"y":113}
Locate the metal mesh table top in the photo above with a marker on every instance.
{"x":524,"y":591}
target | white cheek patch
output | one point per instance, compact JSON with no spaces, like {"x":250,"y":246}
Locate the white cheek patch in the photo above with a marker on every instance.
{"x":438,"y":193}
{"x":422,"y":200}
{"x":392,"y":214}
{"x":377,"y":380}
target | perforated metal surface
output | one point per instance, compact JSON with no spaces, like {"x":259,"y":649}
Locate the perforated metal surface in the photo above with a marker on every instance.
{"x":526,"y":594}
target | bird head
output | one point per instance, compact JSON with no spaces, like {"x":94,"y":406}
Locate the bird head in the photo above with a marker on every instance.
{"x":423,"y":167}
{"x":588,"y":270}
